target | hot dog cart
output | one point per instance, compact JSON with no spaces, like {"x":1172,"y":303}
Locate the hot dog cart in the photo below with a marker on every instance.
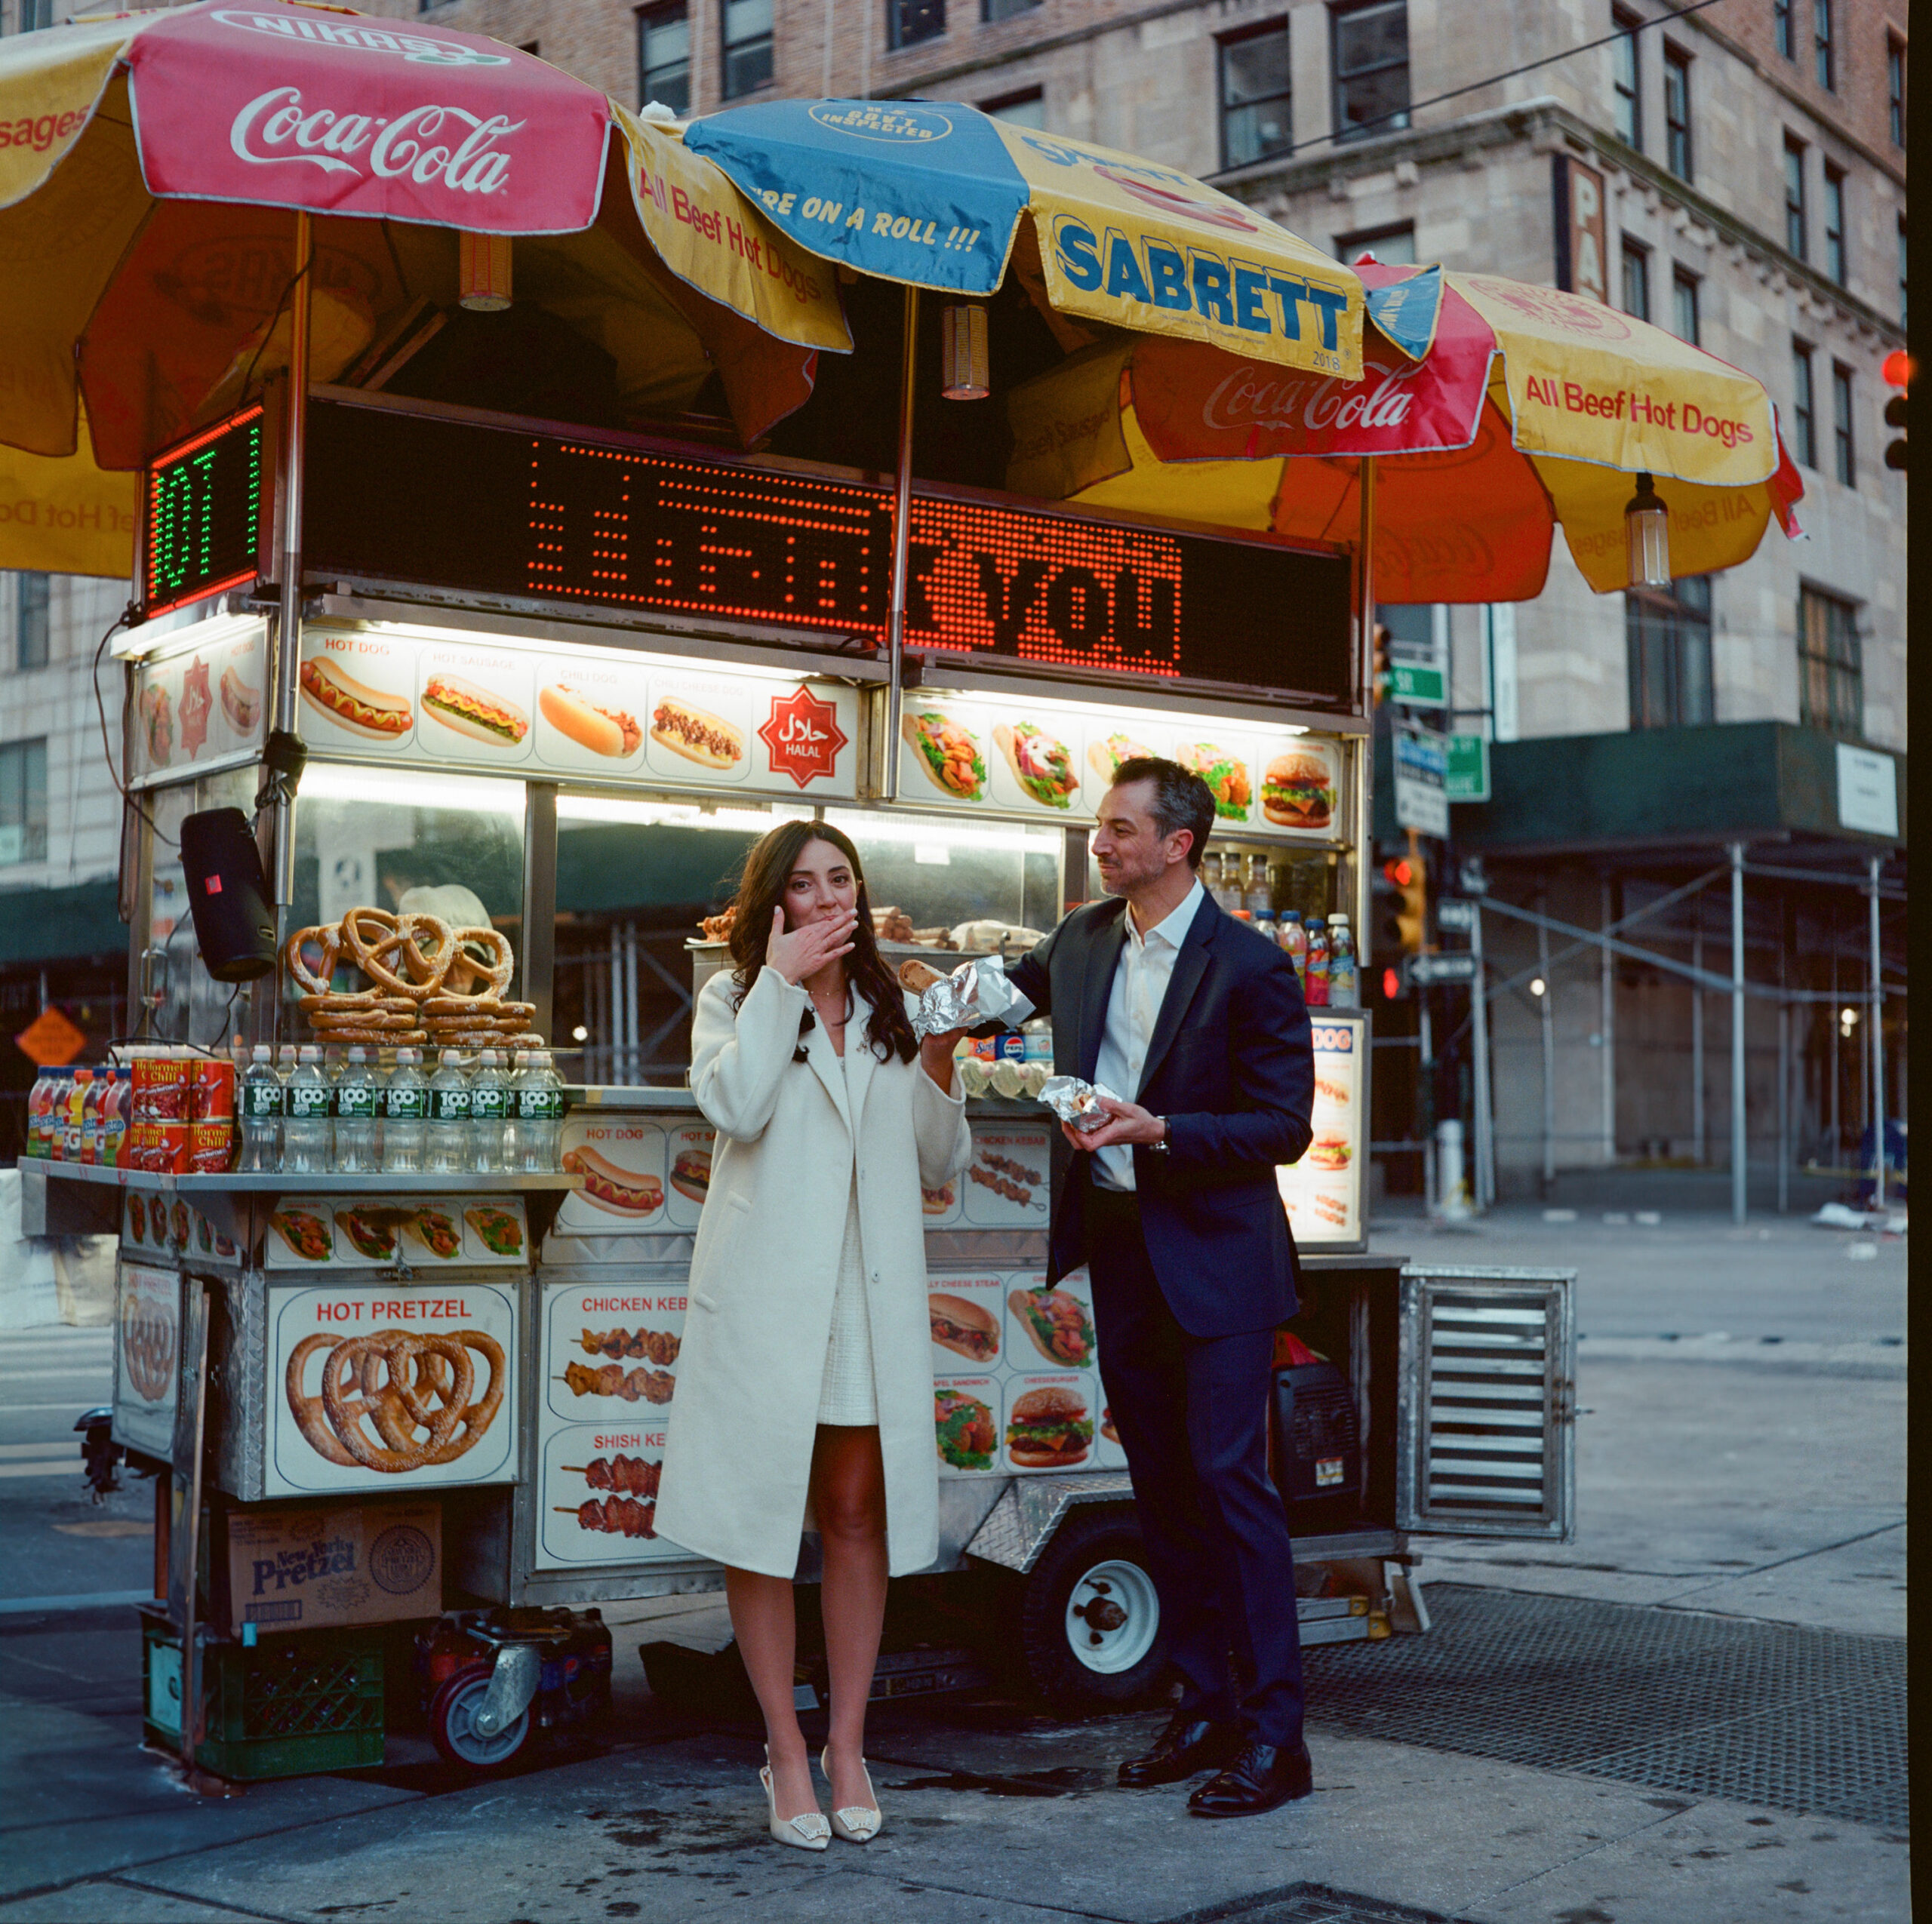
{"x":544,"y":664}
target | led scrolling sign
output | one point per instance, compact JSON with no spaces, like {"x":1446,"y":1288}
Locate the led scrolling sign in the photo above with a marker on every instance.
{"x":469,"y":507}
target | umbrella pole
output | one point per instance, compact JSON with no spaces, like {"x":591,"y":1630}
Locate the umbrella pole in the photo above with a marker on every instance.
{"x":1365,"y":759}
{"x":895,"y":692}
{"x":288,"y":627}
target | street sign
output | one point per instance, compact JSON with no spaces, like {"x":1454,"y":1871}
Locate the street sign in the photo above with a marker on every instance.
{"x":1468,"y":769}
{"x":1454,"y":914}
{"x":1421,"y":772}
{"x":50,"y":1041}
{"x":1417,"y":686}
{"x":1431,"y":971}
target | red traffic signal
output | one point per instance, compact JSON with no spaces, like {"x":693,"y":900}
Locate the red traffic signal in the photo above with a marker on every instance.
{"x":1897,"y":368}
{"x":1398,"y":872}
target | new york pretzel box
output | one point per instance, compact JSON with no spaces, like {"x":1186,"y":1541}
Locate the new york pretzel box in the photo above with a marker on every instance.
{"x":329,"y":1567}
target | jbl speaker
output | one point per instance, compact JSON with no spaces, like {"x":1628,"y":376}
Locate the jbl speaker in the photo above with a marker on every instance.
{"x":1318,"y":1447}
{"x":228,"y":895}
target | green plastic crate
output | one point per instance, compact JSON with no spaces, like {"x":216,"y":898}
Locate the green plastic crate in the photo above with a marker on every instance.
{"x":290,"y":1707}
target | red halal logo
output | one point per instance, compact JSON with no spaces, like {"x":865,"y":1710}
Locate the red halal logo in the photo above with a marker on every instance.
{"x":803,"y":736}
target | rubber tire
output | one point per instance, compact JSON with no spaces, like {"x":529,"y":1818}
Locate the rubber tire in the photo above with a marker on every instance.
{"x":473,"y":1677}
{"x":1092,"y":1533}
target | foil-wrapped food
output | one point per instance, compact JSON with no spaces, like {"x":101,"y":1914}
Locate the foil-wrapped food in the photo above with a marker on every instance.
{"x":1076,"y":1101}
{"x":974,"y":993}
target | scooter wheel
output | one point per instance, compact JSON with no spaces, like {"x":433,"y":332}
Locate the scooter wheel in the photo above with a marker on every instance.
{"x":453,"y":1713}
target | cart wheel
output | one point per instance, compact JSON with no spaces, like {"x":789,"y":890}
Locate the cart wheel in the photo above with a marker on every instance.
{"x":453,"y":1723}
{"x":1090,"y":1617}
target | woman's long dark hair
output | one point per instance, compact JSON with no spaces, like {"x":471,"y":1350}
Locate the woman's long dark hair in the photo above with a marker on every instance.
{"x":761,"y":889}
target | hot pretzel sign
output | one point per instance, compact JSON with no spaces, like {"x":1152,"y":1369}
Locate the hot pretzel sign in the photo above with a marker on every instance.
{"x":377,"y":1386}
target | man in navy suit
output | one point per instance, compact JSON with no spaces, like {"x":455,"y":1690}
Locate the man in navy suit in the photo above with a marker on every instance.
{"x":1159,"y":997}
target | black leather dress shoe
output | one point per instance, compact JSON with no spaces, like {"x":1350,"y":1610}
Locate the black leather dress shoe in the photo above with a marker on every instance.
{"x":1264,"y":1777}
{"x":1189,"y":1745}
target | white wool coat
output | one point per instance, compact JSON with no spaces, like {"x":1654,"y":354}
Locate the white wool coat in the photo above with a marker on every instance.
{"x":737,"y":1454}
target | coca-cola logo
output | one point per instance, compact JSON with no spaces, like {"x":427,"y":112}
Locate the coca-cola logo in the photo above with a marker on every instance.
{"x":421,"y":145}
{"x":1255,"y":396}
{"x":421,"y":49}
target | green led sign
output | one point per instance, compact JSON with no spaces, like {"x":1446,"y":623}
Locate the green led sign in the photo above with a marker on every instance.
{"x":203,"y":511}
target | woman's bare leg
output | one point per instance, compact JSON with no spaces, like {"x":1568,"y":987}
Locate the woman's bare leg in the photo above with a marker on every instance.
{"x":848,"y":1499}
{"x":766,"y":1625}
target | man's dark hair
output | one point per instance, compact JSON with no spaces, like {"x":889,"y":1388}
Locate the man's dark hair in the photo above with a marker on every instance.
{"x":1181,"y":799}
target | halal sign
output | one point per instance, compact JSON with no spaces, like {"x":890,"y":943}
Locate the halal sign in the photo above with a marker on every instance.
{"x":803,"y":736}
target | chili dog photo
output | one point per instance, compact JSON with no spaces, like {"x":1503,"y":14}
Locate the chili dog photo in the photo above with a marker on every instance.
{"x":608,"y":1185}
{"x":961,"y":1325}
{"x":697,"y":734}
{"x":602,"y":728}
{"x":469,"y":710}
{"x":332,"y":691}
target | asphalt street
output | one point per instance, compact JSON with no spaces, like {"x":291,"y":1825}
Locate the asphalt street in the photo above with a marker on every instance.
{"x":1740,"y":1474}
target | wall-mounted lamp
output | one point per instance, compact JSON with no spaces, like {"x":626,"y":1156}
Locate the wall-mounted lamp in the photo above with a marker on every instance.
{"x":483,"y":272}
{"x":1647,"y":534}
{"x":964,"y":360}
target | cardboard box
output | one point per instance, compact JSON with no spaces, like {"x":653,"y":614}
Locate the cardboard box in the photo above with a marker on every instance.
{"x":317,"y":1567}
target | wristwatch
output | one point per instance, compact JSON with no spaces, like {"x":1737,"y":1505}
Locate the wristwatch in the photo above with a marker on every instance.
{"x":1160,"y":1148}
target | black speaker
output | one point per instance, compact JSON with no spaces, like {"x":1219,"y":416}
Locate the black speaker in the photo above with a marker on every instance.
{"x":228,"y":895}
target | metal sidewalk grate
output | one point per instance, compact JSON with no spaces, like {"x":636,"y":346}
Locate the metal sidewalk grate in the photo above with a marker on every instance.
{"x":1809,"y":1721}
{"x":1311,"y":1904}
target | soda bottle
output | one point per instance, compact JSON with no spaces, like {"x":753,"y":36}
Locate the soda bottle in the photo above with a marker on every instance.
{"x":1315,"y":978}
{"x":1294,"y":939}
{"x":355,"y":1115}
{"x":114,"y":1115}
{"x":1343,"y":985}
{"x":489,"y":1103}
{"x":56,"y":1127}
{"x":405,"y":1104}
{"x":258,"y":1113}
{"x":305,"y":1127}
{"x":446,"y":1146}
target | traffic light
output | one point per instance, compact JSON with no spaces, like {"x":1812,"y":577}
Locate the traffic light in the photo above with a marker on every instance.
{"x":1383,"y":976}
{"x":1408,"y":876}
{"x":1898,"y":372}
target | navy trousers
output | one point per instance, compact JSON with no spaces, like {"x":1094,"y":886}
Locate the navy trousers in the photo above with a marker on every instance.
{"x":1192,"y":1416}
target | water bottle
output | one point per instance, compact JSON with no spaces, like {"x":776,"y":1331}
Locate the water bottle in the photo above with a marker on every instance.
{"x":405,"y":1104}
{"x":539,"y":1115}
{"x":305,"y":1126}
{"x":355,"y":1116}
{"x":258,"y":1112}
{"x":516,"y":1131}
{"x":1258,"y":896}
{"x":1315,"y":975}
{"x":489,"y":1103}
{"x":1294,"y":939}
{"x":1343,"y":989}
{"x":446,"y":1144}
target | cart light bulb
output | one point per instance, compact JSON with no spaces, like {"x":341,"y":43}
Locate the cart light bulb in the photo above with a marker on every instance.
{"x":580,"y":1033}
{"x":1647,"y":535}
{"x":1538,"y":987}
{"x":483,"y":272}
{"x":966,"y":373}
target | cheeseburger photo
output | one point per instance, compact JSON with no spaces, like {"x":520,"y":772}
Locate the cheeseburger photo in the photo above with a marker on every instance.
{"x":1298,"y":791}
{"x":1048,"y":1428}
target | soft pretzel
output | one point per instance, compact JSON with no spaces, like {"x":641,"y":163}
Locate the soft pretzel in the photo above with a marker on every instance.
{"x":465,"y":970}
{"x":370,"y":935}
{"x":310,"y":1418}
{"x":316,"y":982}
{"x":430,"y":968}
{"x":477,"y":1416}
{"x":398,"y":1381}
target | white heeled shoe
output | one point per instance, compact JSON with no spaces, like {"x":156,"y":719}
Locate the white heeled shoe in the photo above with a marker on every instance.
{"x":857,"y":1823}
{"x":808,"y":1831}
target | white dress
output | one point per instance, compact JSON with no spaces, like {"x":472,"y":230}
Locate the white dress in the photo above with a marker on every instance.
{"x":846,"y":1392}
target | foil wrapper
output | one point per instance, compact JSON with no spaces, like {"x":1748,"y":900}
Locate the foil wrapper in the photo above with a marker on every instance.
{"x":1075,"y":1101}
{"x":976,"y":992}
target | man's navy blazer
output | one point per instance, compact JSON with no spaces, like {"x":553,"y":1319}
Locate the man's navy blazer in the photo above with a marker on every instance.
{"x":1231,"y":1068}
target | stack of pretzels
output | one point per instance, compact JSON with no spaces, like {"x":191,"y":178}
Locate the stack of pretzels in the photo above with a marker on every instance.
{"x":427,"y":982}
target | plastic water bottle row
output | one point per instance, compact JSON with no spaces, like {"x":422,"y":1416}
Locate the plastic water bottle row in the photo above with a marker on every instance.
{"x":489,"y":1116}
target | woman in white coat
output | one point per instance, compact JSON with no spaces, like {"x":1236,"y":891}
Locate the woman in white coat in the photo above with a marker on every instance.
{"x":806,"y":1369}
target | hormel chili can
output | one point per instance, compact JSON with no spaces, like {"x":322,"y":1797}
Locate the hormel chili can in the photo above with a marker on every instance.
{"x":141,"y":1103}
{"x":213,"y":1091}
{"x":210,"y":1146}
{"x":170,"y":1147}
{"x":171,"y":1099}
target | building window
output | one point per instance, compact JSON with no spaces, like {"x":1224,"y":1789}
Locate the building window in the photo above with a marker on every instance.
{"x":1027,"y":109}
{"x":1895,"y":87}
{"x":1803,"y":419}
{"x":1821,"y":43}
{"x":1794,"y":197}
{"x":1677,"y":111}
{"x":1628,"y":103}
{"x":1256,"y":119}
{"x":1684,"y":306}
{"x":1901,"y":272}
{"x":1831,"y":678}
{"x":1842,"y":447}
{"x":1667,"y":636}
{"x":23,"y":802}
{"x":1781,"y":29}
{"x":908,"y":21}
{"x":1394,"y":247}
{"x":664,"y":57}
{"x":30,"y":626}
{"x":1637,"y":280}
{"x":1834,"y":223}
{"x":35,"y":14}
{"x":747,"y":47}
{"x":993,"y":11}
{"x":1370,"y":58}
